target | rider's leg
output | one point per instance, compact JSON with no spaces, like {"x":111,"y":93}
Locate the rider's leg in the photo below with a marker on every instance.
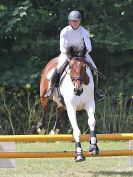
{"x":89,"y":59}
{"x":62,"y":59}
{"x":56,"y":75}
{"x":53,"y":81}
{"x":99,"y":96}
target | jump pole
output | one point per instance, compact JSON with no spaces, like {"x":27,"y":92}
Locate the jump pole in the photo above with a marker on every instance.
{"x":64,"y":154}
{"x":66,"y":137}
{"x":63,"y":137}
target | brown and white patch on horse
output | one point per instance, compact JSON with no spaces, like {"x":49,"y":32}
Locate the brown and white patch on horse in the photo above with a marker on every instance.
{"x":44,"y":80}
{"x":44,"y":85}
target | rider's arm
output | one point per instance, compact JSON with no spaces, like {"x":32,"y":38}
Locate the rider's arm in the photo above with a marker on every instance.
{"x":63,"y":42}
{"x":87,"y":43}
{"x":87,"y":40}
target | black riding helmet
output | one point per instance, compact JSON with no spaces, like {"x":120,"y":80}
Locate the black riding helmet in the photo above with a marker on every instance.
{"x":74,"y":15}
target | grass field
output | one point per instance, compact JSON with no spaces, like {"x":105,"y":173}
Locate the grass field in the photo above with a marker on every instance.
{"x":66,"y":167}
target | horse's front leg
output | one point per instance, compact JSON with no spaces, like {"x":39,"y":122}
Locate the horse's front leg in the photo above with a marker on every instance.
{"x":71,"y":111}
{"x":93,"y":149}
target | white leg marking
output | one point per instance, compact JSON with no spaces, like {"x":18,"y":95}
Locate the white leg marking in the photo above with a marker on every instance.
{"x":72,"y":117}
{"x":91,"y":119}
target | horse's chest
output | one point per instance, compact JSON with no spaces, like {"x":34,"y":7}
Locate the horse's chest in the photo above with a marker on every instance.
{"x":81,"y":106}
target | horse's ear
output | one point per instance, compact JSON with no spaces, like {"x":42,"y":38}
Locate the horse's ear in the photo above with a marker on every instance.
{"x":72,"y":52}
{"x":82,"y":53}
{"x":84,"y":49}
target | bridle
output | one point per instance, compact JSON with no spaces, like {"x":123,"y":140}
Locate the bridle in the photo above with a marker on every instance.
{"x":80,"y":74}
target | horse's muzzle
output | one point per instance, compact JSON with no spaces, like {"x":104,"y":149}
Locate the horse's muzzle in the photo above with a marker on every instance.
{"x":78,"y":92}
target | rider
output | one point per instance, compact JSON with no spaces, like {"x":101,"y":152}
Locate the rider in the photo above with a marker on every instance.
{"x":73,"y":35}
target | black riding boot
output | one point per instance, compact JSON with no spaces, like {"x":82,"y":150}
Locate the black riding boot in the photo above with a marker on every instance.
{"x":99,"y":95}
{"x":54,"y":79}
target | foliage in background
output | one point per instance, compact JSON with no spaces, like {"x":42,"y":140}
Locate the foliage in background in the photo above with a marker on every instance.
{"x":29,"y":38}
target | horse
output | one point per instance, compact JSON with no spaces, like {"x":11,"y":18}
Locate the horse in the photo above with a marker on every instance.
{"x":74,"y":92}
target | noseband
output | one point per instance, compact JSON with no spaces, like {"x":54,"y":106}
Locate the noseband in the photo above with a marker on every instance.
{"x":77,"y":78}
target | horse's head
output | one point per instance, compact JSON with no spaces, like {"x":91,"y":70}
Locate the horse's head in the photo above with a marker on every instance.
{"x":78,"y":74}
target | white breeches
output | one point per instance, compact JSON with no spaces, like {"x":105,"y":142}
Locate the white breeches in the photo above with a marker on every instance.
{"x":89,"y":59}
{"x":63,"y":58}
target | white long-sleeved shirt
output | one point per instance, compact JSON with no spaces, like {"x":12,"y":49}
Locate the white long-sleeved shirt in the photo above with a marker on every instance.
{"x":74,"y":37}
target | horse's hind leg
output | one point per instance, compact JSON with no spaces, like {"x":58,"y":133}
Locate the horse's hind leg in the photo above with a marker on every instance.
{"x":41,"y":123}
{"x":57,"y":124}
{"x":76,"y":133}
{"x":93,"y":150}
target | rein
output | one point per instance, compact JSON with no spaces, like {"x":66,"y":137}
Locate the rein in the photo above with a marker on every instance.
{"x":76,"y":78}
{"x":79,"y":58}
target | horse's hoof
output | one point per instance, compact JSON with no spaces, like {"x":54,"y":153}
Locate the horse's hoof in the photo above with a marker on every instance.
{"x":41,"y":131}
{"x":79,"y":158}
{"x":52,"y":132}
{"x":93,"y":150}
